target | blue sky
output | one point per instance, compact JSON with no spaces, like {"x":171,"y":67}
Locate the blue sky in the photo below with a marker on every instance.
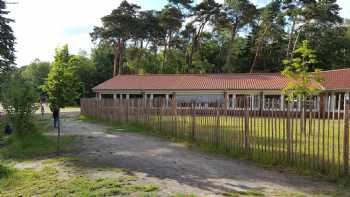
{"x":43,"y":25}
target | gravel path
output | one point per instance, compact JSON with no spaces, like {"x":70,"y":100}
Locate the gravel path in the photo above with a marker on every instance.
{"x":175,"y":168}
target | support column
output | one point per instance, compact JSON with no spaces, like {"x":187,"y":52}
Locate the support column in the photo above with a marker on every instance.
{"x":127,"y":96}
{"x":263,"y":101}
{"x":322,"y":103}
{"x":333,"y":99}
{"x":151,"y":101}
{"x":174,"y":104}
{"x":114,"y":96}
{"x":234,"y":101}
{"x":226,"y":100}
{"x":99,"y":96}
{"x":144,"y":97}
{"x":166,"y":100}
{"x":282,"y":102}
{"x":253,"y":101}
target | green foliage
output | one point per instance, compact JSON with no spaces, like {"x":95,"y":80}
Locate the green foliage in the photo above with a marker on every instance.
{"x":36,"y":73}
{"x":84,"y":70}
{"x":62,"y":84}
{"x":102,"y":57}
{"x":300,"y":71}
{"x":19,"y":100}
{"x":7,"y":41}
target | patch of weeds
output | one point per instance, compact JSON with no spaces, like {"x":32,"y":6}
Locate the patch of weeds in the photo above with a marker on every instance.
{"x":61,"y":160}
{"x":4,"y":171}
{"x":34,"y":145}
{"x":288,"y":194}
{"x":184,"y":195}
{"x":47,"y":182}
{"x":116,"y":127}
{"x":250,"y":192}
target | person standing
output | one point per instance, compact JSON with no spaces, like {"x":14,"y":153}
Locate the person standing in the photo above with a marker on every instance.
{"x":55,"y":114}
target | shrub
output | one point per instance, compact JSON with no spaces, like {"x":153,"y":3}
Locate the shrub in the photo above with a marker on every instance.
{"x":19,"y":98}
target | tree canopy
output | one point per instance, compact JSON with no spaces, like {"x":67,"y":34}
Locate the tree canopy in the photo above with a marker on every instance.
{"x":212,"y":37}
{"x":62,"y":84}
{"x":7,"y":40}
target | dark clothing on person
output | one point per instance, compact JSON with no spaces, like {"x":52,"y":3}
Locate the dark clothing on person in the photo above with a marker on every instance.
{"x":55,"y":114}
{"x":8,"y":130}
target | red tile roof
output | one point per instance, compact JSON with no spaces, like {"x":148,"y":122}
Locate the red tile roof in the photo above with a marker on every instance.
{"x":195,"y":82}
{"x":337,"y":79}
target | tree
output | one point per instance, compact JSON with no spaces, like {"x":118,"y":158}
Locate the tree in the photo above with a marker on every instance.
{"x":302,"y":73}
{"x":304,"y":77}
{"x":37,"y":73}
{"x":268,"y":33}
{"x":102,"y":57}
{"x":237,"y":14}
{"x":62,"y":84}
{"x":19,"y":98}
{"x":118,"y":27}
{"x":304,"y":13}
{"x":7,"y":41}
{"x":170,"y":20}
{"x":84,"y":70}
{"x":205,"y":12}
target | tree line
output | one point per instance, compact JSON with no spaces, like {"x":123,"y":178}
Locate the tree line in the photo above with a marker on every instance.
{"x":208,"y":37}
{"x":235,"y":36}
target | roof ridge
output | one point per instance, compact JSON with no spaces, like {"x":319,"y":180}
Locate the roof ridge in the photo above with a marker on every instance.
{"x":333,"y":70}
{"x":204,"y":74}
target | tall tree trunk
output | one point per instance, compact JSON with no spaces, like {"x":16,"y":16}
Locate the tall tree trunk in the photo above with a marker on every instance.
{"x":258,"y":48}
{"x":120,"y":58}
{"x":115,"y":61}
{"x":116,"y":58}
{"x":296,"y":42}
{"x":231,"y":44}
{"x":290,"y":39}
{"x":164,"y":53}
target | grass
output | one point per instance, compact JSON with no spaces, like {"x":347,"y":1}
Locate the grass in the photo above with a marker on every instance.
{"x":249,"y":192}
{"x":34,"y":145}
{"x":321,"y":145}
{"x":48,"y":182}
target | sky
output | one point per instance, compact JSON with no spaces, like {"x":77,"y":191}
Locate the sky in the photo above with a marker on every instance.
{"x":43,"y":25}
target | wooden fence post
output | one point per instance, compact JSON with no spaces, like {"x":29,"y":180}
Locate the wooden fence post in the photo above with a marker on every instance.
{"x":346,"y":138}
{"x":216,"y":132}
{"x":246,"y":124}
{"x":289,"y":134}
{"x":127,"y":110}
{"x":193,"y":120}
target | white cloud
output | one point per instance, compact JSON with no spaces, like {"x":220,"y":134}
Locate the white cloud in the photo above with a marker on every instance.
{"x":42,"y":25}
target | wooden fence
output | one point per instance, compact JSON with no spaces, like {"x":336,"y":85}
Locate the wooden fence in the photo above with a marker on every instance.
{"x":307,"y":139}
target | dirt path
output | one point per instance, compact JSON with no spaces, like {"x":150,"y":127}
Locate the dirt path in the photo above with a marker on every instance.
{"x":175,"y":168}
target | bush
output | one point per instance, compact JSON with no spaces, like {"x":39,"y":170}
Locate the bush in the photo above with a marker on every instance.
{"x":19,"y":99}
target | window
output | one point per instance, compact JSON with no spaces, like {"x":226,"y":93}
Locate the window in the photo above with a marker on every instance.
{"x":272,"y":101}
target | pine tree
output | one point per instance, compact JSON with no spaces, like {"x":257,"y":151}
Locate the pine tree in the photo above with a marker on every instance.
{"x":7,"y":40}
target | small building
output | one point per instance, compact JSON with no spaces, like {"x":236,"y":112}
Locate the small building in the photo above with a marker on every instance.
{"x":210,"y":88}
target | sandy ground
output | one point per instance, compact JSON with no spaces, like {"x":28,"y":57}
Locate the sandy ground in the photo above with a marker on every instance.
{"x":174,"y":167}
